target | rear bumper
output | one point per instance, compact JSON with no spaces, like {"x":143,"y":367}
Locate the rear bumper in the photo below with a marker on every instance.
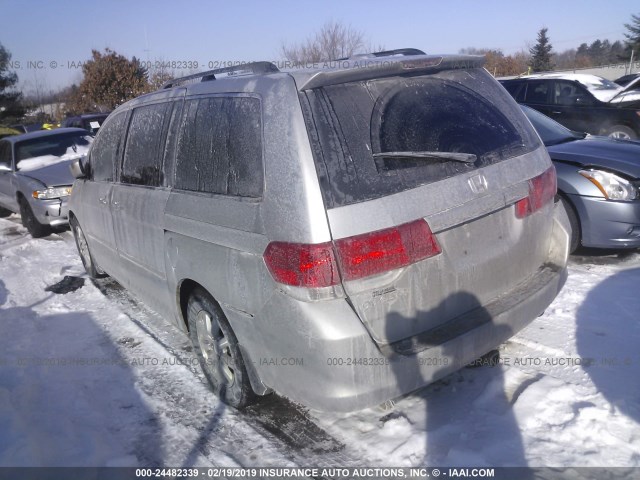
{"x":326,"y":359}
{"x":607,"y":224}
{"x":351,"y":373}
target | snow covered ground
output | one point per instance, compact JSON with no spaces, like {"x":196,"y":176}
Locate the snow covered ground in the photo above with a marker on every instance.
{"x":93,"y":378}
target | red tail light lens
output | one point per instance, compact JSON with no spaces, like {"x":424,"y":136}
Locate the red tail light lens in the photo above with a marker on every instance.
{"x":384,"y":250}
{"x":361,"y":256}
{"x":542,"y":189}
{"x":302,"y":265}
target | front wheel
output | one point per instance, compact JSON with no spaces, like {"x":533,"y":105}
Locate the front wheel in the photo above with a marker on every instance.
{"x":83,"y":249}
{"x":621,"y":132}
{"x":31,"y":223}
{"x":218,"y":352}
{"x":575,"y":240}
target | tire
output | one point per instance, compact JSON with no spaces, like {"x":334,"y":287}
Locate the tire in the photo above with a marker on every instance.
{"x":31,"y":223}
{"x":218,"y":352}
{"x":621,"y":132}
{"x":4,"y":213}
{"x":576,"y":239}
{"x":89,"y":263}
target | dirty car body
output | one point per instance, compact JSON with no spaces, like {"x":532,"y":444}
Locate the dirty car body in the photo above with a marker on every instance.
{"x":35,"y":179}
{"x":373,"y":225}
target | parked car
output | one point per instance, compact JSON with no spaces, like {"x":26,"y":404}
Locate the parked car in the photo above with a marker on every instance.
{"x":88,"y":121}
{"x":35,"y":179}
{"x":580,"y":102}
{"x":330,"y":234}
{"x":598,"y":182}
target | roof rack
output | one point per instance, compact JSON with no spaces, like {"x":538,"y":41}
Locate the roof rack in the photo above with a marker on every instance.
{"x":253,"y":68}
{"x":387,"y":53}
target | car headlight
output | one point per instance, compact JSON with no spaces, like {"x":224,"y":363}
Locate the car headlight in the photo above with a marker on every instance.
{"x":612,"y":186}
{"x":52,"y":192}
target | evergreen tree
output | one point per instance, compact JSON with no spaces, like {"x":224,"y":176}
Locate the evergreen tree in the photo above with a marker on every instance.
{"x":541,"y":53}
{"x":11,"y":108}
{"x":633,"y":37}
{"x":597,"y":51}
{"x":616,"y":53}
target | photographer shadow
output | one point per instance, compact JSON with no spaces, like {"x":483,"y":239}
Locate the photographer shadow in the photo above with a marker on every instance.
{"x":608,"y":336}
{"x":468,"y":418}
{"x":67,"y":395}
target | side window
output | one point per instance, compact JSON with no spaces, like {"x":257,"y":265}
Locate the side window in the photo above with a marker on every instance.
{"x":537,"y":92}
{"x":5,"y":154}
{"x":583,"y":97}
{"x":143,"y":152}
{"x":220,"y":147}
{"x":570,"y":93}
{"x":515,"y":90}
{"x":105,"y":148}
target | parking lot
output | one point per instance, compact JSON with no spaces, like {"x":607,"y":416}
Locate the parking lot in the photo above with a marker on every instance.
{"x":101,"y":380}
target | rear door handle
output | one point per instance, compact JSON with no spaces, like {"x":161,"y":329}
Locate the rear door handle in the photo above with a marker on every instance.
{"x":557,"y":113}
{"x":115,"y":204}
{"x":103,"y":200}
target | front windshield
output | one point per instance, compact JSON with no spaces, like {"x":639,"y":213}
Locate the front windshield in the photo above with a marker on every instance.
{"x":549,"y":130}
{"x":48,"y":150}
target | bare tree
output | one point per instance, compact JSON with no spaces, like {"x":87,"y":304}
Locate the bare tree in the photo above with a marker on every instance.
{"x":333,"y":41}
{"x":160,"y":73}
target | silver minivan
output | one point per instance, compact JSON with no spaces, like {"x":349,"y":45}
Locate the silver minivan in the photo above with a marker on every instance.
{"x":341,"y":234}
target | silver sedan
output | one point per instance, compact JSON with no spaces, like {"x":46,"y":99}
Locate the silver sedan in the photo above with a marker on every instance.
{"x":35,"y":179}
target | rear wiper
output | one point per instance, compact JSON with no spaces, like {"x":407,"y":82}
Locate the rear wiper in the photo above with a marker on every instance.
{"x":455,"y":156}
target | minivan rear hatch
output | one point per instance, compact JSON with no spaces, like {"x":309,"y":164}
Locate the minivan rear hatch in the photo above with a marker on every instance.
{"x":449,"y":150}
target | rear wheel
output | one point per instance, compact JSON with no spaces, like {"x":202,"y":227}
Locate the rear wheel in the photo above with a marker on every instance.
{"x":218,"y":351}
{"x":621,"y":132}
{"x":574,"y":243}
{"x":31,"y":223}
{"x":83,"y":249}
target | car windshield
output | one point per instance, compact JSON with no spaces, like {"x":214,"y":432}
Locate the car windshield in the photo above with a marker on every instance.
{"x":48,"y":150}
{"x":551,"y":132}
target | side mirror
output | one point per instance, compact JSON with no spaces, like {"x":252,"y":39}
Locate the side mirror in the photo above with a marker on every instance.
{"x":79,"y":169}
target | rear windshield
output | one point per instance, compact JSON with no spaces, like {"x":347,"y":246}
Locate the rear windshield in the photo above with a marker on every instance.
{"x":379,"y":137}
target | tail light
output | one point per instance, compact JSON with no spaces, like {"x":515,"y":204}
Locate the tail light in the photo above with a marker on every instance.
{"x":377,"y":252}
{"x":542,"y":189}
{"x":302,"y":265}
{"x":316,"y":265}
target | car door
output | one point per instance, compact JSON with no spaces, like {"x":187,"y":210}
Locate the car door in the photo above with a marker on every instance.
{"x":138,"y":201}
{"x":573,"y":106}
{"x":538,"y":96}
{"x":94,"y":212}
{"x":7,"y":190}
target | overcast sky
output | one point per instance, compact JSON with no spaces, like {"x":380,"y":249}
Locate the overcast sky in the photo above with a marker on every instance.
{"x":49,"y":39}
